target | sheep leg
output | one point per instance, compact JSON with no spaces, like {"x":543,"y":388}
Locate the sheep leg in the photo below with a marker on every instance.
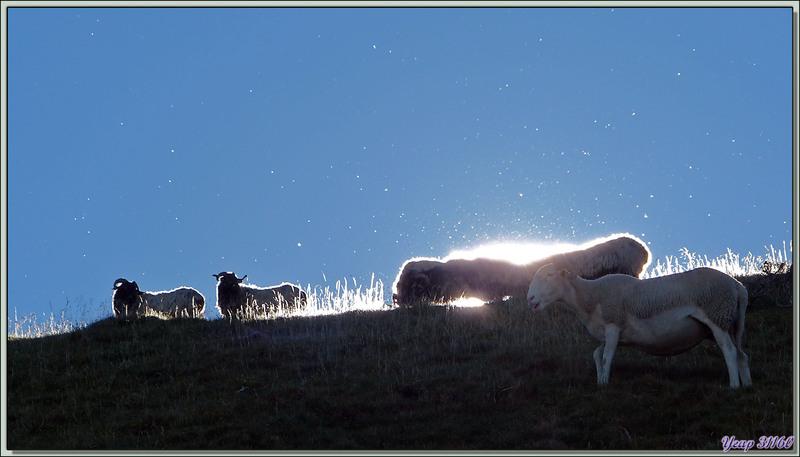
{"x":598,"y":362}
{"x":744,"y":367}
{"x":729,"y":350}
{"x":742,"y":359}
{"x":737,"y":334}
{"x":607,"y":349}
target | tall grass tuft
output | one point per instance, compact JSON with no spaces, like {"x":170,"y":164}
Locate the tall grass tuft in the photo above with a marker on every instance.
{"x":730,"y":263}
{"x":73,"y":316}
{"x":335,"y":377}
{"x":343,"y":298}
{"x":30,"y":326}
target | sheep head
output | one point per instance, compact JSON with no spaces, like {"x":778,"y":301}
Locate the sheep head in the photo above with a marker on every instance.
{"x":228,"y":280}
{"x":228,"y":292}
{"x":550,"y":284}
{"x":127,"y":299}
{"x":413,"y":281}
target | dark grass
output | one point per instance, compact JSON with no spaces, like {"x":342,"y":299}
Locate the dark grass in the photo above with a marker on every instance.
{"x":495,"y":377}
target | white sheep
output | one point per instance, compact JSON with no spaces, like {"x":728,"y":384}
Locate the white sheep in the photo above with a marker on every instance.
{"x":429,"y":280}
{"x":129,"y":302}
{"x":180,"y":302}
{"x":234,"y":298}
{"x":666,"y":315}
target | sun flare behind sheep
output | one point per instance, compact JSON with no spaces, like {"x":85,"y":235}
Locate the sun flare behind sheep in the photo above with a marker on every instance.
{"x":494,"y":272}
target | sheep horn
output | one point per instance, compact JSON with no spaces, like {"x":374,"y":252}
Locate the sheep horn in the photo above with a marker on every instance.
{"x":118,"y":283}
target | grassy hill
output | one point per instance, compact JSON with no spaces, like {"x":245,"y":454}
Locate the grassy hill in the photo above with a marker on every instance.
{"x":494,"y":377}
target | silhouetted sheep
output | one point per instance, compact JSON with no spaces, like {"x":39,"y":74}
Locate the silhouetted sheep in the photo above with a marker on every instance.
{"x":433,"y":281}
{"x":129,"y":302}
{"x":237,"y":299}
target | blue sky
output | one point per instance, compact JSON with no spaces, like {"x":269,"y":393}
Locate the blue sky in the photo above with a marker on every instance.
{"x":165,"y":145}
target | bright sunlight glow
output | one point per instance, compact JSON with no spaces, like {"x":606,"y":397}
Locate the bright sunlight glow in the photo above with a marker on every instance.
{"x":518,"y":253}
{"x":467,"y":302}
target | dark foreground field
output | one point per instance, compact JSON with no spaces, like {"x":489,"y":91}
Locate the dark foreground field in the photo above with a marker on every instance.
{"x":495,"y":377}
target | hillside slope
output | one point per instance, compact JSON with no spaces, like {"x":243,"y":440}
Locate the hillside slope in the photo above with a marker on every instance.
{"x":436,"y":378}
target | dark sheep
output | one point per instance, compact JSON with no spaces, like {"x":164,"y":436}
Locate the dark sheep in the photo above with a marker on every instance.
{"x":126,"y":299}
{"x":433,"y":281}
{"x":130,"y":302}
{"x":237,"y":299}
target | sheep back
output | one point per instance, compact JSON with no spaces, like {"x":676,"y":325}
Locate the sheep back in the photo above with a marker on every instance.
{"x":713,"y":291}
{"x":266,"y":300}
{"x":180,"y":302}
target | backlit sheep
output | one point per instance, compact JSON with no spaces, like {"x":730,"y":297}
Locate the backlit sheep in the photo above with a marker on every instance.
{"x":235,"y":298}
{"x":433,"y":281}
{"x":666,"y":315}
{"x":444,"y":282}
{"x":129,"y":302}
{"x":180,"y":302}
